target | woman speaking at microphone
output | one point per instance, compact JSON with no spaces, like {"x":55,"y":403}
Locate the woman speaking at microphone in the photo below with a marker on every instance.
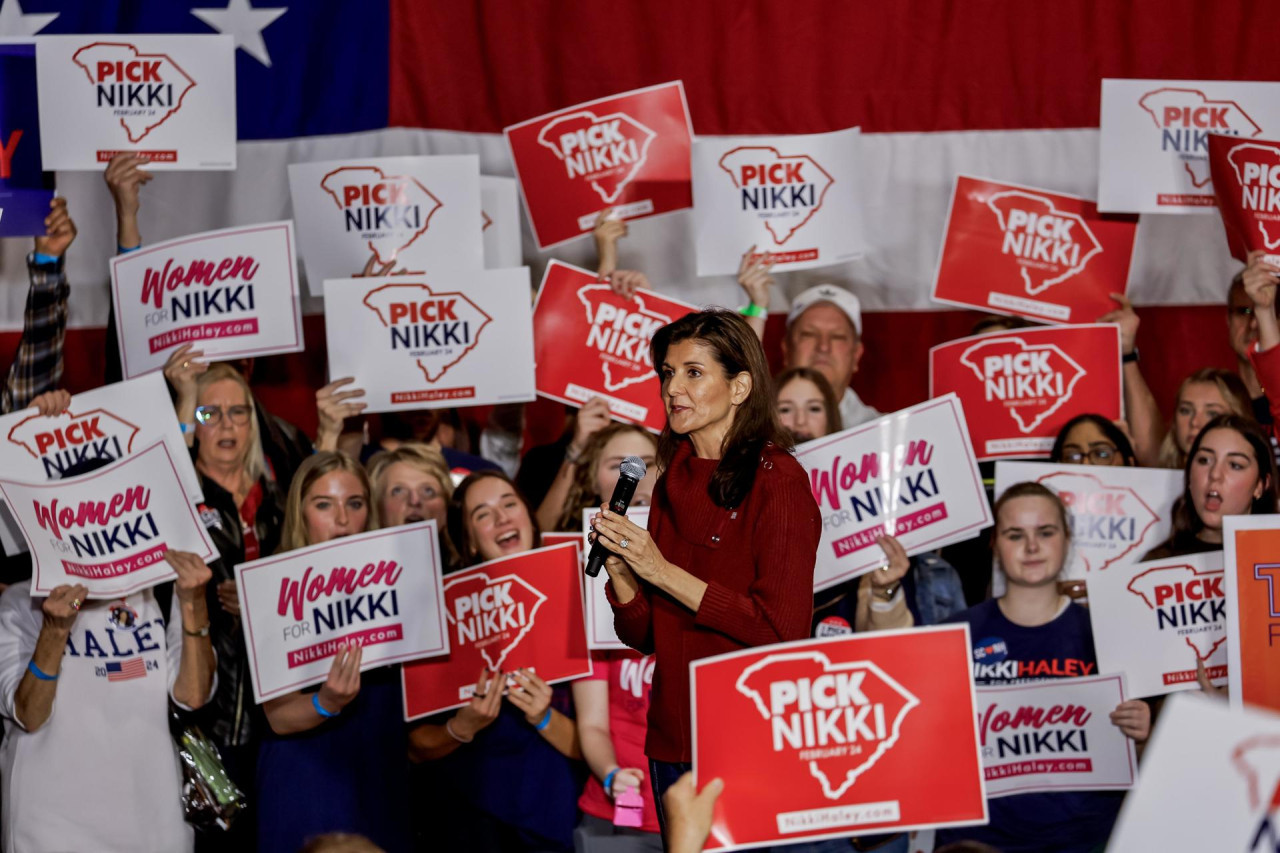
{"x":727,"y":561}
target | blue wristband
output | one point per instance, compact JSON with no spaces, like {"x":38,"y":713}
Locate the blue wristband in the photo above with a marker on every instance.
{"x":41,"y":259}
{"x":545,"y":721}
{"x":122,"y":250}
{"x":608,"y":781}
{"x":39,"y":673}
{"x":320,"y":709}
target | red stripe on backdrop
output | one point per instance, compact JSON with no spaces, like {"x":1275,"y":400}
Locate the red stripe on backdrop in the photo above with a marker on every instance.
{"x":1173,"y":341}
{"x":766,"y":66}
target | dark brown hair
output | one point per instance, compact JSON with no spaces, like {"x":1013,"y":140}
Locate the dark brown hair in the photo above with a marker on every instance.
{"x":829,"y":404}
{"x":1186,"y":521}
{"x":457,"y":517}
{"x":737,"y":350}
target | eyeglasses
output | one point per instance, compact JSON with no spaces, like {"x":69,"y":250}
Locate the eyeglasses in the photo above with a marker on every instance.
{"x":212,"y":415}
{"x":1099,"y":455}
{"x":1242,"y":311}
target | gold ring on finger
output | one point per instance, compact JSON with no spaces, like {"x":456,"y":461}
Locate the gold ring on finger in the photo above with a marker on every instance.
{"x":75,"y":604}
{"x":185,"y":365}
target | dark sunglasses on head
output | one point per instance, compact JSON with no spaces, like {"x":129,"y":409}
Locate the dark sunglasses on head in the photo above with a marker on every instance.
{"x":211,"y":415}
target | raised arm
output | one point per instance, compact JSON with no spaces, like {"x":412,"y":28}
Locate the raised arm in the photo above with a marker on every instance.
{"x":1146,"y":427}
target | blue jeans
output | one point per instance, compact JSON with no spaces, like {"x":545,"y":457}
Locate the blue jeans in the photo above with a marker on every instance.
{"x":662,"y":775}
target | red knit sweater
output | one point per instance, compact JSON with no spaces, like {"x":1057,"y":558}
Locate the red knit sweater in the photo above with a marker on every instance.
{"x":757,"y":562}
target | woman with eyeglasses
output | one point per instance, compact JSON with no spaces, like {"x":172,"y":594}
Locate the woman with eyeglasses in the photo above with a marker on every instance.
{"x":1091,"y":439}
{"x":243,"y":512}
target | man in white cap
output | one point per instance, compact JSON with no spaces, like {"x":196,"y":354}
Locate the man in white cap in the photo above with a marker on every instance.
{"x":824,"y":332}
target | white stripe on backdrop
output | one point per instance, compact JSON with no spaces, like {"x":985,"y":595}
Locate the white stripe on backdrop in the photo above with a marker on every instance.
{"x":905,"y":187}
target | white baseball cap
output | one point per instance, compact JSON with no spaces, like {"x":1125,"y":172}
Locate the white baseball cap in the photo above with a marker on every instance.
{"x":837,"y":296}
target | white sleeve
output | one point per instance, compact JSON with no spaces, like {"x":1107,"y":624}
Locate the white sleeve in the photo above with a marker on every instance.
{"x":173,"y":644}
{"x":20,"y":621}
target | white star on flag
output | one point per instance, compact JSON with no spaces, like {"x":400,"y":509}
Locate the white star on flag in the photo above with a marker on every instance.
{"x":244,"y":23}
{"x":15,"y":22}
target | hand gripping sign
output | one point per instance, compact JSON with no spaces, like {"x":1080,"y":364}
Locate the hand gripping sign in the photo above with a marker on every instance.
{"x":25,"y":187}
{"x":1155,"y":134}
{"x":379,"y":590}
{"x":1246,"y":184}
{"x":1054,"y":735}
{"x":1252,"y":563}
{"x":433,"y":341}
{"x":910,"y":474}
{"x":171,"y":99}
{"x":1030,"y":252}
{"x":1117,"y":513}
{"x":628,"y":151}
{"x":591,"y":342}
{"x":419,"y":213}
{"x":503,"y":615}
{"x":108,"y":529}
{"x":1020,"y":387}
{"x":232,"y":293}
{"x":1155,"y":621}
{"x":824,"y":738}
{"x":792,"y":197}
{"x":1210,"y":781}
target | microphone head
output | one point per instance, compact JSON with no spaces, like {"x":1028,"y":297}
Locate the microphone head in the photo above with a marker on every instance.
{"x":633,"y":467}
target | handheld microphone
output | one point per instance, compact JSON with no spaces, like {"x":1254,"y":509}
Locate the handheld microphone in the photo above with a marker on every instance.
{"x":631,"y":472}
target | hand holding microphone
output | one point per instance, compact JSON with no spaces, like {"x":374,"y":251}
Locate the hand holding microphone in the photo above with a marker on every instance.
{"x":631,"y":472}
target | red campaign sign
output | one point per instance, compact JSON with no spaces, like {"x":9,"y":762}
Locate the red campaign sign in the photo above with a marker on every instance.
{"x":509,"y":613}
{"x":832,"y":737}
{"x":629,"y":151}
{"x":1246,"y":182}
{"x":590,"y":342}
{"x":1019,"y":388}
{"x":1032,"y":253}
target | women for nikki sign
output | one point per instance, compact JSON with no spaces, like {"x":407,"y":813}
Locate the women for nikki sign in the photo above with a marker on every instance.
{"x":232,"y":293}
{"x":1054,"y":735}
{"x":1154,"y":622}
{"x":591,"y":342}
{"x":628,"y":151}
{"x":794,"y":198}
{"x":169,"y":98}
{"x":503,"y":615}
{"x":1030,"y":252}
{"x":910,"y":474}
{"x":379,"y":590}
{"x":108,"y":529}
{"x":1252,"y":556}
{"x":1020,"y":387}
{"x":849,"y":736}
{"x":433,"y":341}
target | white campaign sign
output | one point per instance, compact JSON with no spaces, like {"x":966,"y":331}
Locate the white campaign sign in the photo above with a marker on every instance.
{"x":1118,"y":513}
{"x":793,"y":197}
{"x":108,"y":529}
{"x":1210,"y":781}
{"x":420,"y":213}
{"x":910,"y":474}
{"x":169,"y":98}
{"x":1054,"y":735}
{"x":433,"y":341}
{"x":1153,"y":622}
{"x":232,"y":293}
{"x":106,"y":424}
{"x":1155,"y":139}
{"x":380,"y":590}
{"x":500,"y":213}
{"x":600,"y":632}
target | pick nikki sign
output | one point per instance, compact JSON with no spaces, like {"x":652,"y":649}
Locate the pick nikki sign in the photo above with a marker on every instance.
{"x":1246,"y":184}
{"x":1155,"y":621}
{"x":108,"y":529}
{"x":380,"y":590}
{"x":591,"y":342}
{"x":911,"y":475}
{"x":792,"y":197}
{"x":514,"y":612}
{"x":1032,"y":253}
{"x":1155,"y":139}
{"x":1020,"y":387}
{"x":434,"y":341}
{"x":825,"y":738}
{"x":168,"y":98}
{"x":1252,"y":590}
{"x":1054,"y":735}
{"x":419,"y":213}
{"x":628,"y":151}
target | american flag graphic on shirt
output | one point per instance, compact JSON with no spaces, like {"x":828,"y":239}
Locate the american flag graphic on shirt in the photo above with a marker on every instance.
{"x":132,"y":668}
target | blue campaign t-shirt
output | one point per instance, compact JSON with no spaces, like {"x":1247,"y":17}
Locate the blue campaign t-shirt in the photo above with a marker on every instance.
{"x":1007,"y":653}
